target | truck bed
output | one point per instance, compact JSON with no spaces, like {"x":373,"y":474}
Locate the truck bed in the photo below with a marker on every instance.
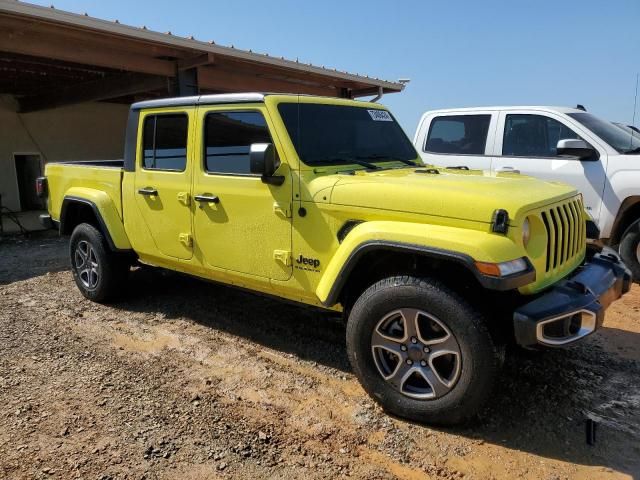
{"x":65,"y":178}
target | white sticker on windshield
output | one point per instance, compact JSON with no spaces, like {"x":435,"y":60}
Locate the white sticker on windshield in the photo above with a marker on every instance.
{"x":380,"y":115}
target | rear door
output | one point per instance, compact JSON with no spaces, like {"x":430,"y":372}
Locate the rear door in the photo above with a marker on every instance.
{"x":527,"y":144}
{"x":163,"y":181}
{"x":458,"y":139}
{"x":241,"y":223}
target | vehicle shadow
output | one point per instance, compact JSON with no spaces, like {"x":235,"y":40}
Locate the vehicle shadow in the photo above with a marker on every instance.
{"x":305,"y":332}
{"x":540,"y":403}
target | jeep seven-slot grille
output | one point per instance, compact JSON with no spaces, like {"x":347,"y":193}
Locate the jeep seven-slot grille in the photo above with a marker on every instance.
{"x":566,"y":235}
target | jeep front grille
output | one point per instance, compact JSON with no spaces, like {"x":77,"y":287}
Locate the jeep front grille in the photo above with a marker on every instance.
{"x":566,"y":233}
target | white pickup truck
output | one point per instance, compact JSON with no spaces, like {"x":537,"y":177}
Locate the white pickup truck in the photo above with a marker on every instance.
{"x":562,"y":144}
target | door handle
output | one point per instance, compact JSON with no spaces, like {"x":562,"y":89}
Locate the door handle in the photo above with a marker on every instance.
{"x":508,"y":170}
{"x":206,"y":198}
{"x":150,"y":191}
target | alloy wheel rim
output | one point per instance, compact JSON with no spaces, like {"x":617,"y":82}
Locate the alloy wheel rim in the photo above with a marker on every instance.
{"x":86,"y":264}
{"x":638,"y":252}
{"x":416,"y":353}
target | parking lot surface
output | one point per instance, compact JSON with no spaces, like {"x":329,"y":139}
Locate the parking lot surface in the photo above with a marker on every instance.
{"x":187,"y":379}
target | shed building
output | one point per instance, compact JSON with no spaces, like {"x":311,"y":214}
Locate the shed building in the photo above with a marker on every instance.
{"x":66,"y":81}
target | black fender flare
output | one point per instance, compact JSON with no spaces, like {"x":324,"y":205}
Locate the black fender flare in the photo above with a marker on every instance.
{"x":64,"y":228}
{"x":510,"y":282}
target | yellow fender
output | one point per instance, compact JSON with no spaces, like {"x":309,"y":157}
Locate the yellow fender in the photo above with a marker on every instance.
{"x":106,"y":212}
{"x":458,"y":244}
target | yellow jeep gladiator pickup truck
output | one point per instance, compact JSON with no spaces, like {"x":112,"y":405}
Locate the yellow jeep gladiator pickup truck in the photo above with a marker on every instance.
{"x":325,"y":202}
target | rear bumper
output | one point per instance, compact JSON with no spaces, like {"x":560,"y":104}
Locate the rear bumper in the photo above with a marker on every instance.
{"x":47,"y":222}
{"x":575,"y":307}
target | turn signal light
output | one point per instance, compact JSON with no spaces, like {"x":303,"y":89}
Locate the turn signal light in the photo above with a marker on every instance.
{"x":503,"y":269}
{"x":488,"y":268}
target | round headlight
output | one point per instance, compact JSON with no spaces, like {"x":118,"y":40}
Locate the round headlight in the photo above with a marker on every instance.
{"x":526,"y":232}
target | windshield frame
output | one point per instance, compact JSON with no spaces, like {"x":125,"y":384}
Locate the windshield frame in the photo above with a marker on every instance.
{"x":351,"y":160}
{"x":607,"y":132}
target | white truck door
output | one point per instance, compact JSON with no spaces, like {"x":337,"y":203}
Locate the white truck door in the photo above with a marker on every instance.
{"x":457,"y":139}
{"x":526,"y":143}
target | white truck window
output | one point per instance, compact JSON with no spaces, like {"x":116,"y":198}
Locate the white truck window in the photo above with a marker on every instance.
{"x":458,"y":134}
{"x":533,"y":135}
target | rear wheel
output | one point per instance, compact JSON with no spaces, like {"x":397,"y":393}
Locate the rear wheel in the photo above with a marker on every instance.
{"x":99,"y":273}
{"x":421,"y":351}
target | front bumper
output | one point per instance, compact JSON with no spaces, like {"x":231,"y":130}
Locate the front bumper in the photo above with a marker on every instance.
{"x":575,"y":307}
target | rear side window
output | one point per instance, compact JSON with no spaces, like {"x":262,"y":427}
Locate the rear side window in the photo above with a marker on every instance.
{"x":458,"y":134}
{"x":228,"y":139}
{"x":164,"y":140}
{"x":533,"y":136}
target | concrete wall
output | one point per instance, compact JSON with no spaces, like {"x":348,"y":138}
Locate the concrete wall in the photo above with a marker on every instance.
{"x":91,"y":131}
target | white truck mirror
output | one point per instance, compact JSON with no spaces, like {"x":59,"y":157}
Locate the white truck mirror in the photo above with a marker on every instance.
{"x":573,"y":147}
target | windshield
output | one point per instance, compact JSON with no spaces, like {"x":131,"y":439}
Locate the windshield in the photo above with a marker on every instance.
{"x":618,"y":138}
{"x":339,"y":134}
{"x":627,"y":128}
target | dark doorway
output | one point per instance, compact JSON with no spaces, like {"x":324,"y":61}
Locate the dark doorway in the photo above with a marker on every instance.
{"x":28,"y":168}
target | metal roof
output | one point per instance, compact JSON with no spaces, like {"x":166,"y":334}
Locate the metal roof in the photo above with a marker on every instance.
{"x":53,"y":15}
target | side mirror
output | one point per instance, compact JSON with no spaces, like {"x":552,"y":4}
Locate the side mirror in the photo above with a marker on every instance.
{"x":576,"y":148}
{"x":262,"y":159}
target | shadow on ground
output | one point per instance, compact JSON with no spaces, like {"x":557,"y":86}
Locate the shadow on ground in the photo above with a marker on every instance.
{"x":27,"y":256}
{"x":540,"y":404}
{"x":306,"y":332}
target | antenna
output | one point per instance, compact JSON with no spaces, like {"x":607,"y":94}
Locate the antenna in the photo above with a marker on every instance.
{"x":635,"y":102}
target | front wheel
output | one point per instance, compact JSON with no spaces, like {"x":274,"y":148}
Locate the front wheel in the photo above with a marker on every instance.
{"x":630,"y":249}
{"x":421,"y":351}
{"x":99,"y":273}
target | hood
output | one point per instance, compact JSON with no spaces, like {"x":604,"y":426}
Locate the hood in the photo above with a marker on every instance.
{"x":469,"y":195}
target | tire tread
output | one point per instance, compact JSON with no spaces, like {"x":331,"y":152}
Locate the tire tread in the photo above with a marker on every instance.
{"x":114,"y":269}
{"x":459,"y":408}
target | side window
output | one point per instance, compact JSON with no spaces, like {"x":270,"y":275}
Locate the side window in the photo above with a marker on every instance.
{"x":228,"y":138}
{"x":533,"y":136}
{"x":458,"y":134}
{"x":164,"y":140}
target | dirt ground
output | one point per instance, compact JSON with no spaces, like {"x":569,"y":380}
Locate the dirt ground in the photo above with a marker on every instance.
{"x":185,"y":379}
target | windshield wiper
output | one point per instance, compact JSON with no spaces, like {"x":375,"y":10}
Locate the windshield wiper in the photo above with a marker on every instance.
{"x":349,"y":160}
{"x":632,"y":151}
{"x":384,"y":157}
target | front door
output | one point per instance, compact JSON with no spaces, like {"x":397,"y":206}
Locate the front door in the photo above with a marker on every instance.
{"x":241,"y":224}
{"x":527,"y":144}
{"x":163,"y":181}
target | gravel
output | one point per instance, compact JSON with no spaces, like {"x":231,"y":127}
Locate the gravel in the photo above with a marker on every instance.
{"x":185,"y":379}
